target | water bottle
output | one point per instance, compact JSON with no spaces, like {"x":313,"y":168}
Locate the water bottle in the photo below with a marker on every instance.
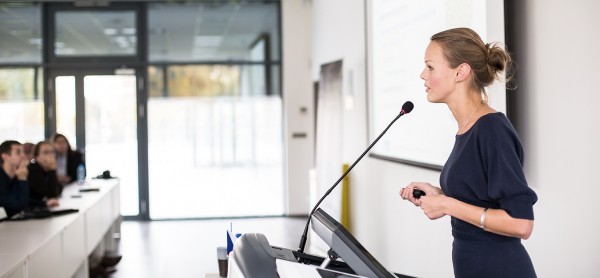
{"x":81,"y":174}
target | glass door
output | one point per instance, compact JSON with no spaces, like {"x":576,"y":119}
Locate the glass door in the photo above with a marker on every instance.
{"x":96,"y":111}
{"x":111,"y":133}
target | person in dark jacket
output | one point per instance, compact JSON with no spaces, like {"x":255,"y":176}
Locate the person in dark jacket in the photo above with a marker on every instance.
{"x":14,"y":191}
{"x":44,"y":187}
{"x":67,"y":159}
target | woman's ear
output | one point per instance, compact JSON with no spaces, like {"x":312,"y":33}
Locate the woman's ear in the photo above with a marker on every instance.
{"x":463,"y":71}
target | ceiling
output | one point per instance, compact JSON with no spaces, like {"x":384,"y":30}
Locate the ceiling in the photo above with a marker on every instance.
{"x":176,"y":32}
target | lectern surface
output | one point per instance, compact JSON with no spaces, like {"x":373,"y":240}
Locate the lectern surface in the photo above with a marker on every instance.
{"x":295,"y":270}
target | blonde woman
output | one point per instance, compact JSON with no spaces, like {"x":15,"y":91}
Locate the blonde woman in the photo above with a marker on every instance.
{"x":483,"y":187}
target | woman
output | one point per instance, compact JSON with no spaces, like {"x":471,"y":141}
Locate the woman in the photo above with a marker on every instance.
{"x":44,"y":188}
{"x":483,"y":187}
{"x":67,"y":160}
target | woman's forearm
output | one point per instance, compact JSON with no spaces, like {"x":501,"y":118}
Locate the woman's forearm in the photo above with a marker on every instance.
{"x":495,"y":220}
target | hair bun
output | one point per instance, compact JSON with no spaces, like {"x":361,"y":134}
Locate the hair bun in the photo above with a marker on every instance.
{"x":496,"y":57}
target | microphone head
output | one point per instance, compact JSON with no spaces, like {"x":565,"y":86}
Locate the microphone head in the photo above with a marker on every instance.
{"x":407,"y":107}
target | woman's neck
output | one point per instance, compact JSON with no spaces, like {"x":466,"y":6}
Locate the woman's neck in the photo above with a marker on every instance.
{"x":465,"y":108}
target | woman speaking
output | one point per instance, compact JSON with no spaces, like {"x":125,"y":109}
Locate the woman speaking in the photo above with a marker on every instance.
{"x":483,"y":187}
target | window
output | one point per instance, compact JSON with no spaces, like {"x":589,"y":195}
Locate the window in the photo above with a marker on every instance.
{"x":214,"y":109}
{"x":211,"y":31}
{"x":20,"y":35}
{"x":97,"y":33}
{"x":218,"y":129}
{"x":21,"y":106}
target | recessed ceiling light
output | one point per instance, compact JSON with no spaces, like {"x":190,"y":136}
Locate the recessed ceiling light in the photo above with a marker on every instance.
{"x":128,"y":31}
{"x":36,"y":41}
{"x":207,"y":41}
{"x":110,"y":31}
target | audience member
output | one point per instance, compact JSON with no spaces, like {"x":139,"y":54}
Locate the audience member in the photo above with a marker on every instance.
{"x":44,"y":187}
{"x":28,"y":151}
{"x":67,"y":159}
{"x":14,"y":191}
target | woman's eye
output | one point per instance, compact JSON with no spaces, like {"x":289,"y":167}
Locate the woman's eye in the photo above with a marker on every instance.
{"x":430,"y":68}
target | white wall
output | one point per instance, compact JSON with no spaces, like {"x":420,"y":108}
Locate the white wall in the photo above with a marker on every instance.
{"x":297,"y":93}
{"x":559,"y":122}
{"x":387,"y":227}
{"x":562,"y":150}
{"x":348,"y":27}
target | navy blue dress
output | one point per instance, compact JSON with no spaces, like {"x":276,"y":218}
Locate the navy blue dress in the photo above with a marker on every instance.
{"x":485,"y":169}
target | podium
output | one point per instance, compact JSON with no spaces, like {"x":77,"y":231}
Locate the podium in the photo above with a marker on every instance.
{"x":253,"y":256}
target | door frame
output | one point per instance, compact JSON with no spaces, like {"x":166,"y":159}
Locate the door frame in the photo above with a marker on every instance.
{"x":142,"y":134}
{"x":102,"y":65}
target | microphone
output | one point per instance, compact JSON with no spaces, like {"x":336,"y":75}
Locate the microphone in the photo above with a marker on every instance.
{"x":407,"y":107}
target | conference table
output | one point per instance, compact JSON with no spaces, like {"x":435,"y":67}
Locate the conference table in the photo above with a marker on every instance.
{"x":59,"y":246}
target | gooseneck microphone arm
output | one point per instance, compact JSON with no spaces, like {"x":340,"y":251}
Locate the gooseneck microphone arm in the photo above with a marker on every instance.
{"x":406,"y":108}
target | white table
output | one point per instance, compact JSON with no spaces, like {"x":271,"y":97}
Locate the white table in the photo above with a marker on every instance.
{"x":14,"y":265}
{"x":59,"y":246}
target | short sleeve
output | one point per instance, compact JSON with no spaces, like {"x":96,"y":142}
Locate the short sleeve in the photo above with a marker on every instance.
{"x":502,"y":157}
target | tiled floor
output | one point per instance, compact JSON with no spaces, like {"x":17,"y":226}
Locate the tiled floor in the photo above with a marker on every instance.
{"x":188,"y":248}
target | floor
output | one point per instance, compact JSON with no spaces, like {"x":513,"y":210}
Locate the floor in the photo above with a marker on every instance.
{"x":188,"y":248}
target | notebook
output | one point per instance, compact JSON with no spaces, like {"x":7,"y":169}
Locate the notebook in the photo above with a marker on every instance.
{"x":41,"y":213}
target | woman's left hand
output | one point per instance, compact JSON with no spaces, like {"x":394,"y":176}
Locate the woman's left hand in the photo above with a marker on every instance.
{"x":434,"y":206}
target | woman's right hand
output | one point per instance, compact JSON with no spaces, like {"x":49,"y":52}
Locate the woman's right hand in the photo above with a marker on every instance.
{"x":430,"y":190}
{"x":52,"y":202}
{"x":22,"y":171}
{"x":51,"y":163}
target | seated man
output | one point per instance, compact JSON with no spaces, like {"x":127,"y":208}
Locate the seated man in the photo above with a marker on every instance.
{"x":44,"y":187}
{"x":14,"y":191}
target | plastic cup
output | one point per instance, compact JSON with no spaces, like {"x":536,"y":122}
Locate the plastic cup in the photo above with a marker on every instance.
{"x":222,"y":260}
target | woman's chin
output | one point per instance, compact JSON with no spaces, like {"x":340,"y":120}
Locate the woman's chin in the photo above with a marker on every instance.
{"x":434,"y":100}
{"x":431,"y":98}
